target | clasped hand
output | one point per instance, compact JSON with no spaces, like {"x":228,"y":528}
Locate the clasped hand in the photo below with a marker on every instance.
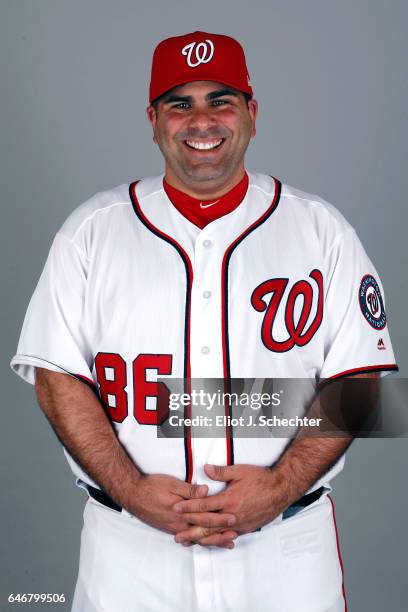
{"x":194,"y":517}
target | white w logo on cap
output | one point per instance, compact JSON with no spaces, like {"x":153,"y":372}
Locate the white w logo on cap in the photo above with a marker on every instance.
{"x":203,"y":53}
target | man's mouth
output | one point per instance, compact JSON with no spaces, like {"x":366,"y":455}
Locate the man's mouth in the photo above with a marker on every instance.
{"x":208,"y":145}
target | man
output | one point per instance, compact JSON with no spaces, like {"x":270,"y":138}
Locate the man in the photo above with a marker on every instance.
{"x":197,"y":274}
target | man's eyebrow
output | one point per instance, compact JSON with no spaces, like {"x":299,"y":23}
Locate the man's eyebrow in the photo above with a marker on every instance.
{"x":221,"y":92}
{"x":173,"y":98}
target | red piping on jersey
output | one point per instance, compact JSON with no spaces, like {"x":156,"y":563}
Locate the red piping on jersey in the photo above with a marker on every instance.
{"x":189,"y":269}
{"x":339,"y":554}
{"x":224,"y":305}
{"x":85,"y":379}
{"x":365,"y":369}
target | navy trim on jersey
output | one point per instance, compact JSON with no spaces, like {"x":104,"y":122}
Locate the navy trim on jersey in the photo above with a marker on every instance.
{"x":169,"y":240}
{"x":86,"y":381}
{"x":389,"y":367}
{"x":226,"y":260}
{"x":189,"y":279}
{"x":89,"y":383}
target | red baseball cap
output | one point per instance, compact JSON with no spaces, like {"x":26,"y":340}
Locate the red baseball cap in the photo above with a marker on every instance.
{"x":198,"y":56}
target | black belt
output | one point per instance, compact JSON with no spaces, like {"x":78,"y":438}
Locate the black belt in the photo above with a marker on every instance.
{"x":303,"y":502}
{"x":102,"y":497}
{"x":308,"y":499}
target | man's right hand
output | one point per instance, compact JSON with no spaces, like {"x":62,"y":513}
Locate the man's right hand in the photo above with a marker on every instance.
{"x":82,"y":425}
{"x":153,"y":500}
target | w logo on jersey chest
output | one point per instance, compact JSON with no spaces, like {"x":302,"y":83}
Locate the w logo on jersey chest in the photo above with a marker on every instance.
{"x":268,"y":297}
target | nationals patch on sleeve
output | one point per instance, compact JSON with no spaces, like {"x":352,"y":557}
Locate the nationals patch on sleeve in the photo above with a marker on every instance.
{"x":371,"y":302}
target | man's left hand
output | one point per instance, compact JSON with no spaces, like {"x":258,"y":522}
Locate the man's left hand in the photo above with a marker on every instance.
{"x":252,"y":495}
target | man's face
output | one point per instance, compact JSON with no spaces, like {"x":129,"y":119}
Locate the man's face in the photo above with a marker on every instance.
{"x":203,"y":129}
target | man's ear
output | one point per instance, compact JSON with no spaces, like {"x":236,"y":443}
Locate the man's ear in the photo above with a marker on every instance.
{"x":253,"y":111}
{"x":152,"y":118}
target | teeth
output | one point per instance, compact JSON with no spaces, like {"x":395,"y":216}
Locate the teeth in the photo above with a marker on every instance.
{"x":204,"y":146}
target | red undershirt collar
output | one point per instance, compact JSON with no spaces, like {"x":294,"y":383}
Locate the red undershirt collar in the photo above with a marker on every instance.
{"x":202,"y":212}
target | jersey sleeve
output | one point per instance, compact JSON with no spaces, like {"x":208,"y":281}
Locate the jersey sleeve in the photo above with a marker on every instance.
{"x":53,"y":335}
{"x":356,"y":331}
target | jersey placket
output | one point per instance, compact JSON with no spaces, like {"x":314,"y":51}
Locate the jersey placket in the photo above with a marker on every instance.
{"x":206,"y":362}
{"x":206,"y":353}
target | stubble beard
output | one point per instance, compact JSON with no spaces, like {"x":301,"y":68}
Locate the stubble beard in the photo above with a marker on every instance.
{"x":203,"y":173}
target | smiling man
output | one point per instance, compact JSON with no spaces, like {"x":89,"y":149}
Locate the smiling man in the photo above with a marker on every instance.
{"x":206,"y":271}
{"x":203,"y":131}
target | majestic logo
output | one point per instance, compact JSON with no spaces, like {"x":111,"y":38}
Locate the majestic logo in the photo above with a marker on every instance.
{"x":199,"y":53}
{"x":381,"y":345}
{"x":371,"y":302}
{"x":299,"y":335}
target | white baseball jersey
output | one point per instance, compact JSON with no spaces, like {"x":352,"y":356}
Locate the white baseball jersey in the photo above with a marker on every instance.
{"x":280,"y":287}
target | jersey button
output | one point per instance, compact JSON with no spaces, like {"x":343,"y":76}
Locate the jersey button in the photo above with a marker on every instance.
{"x":207,"y":244}
{"x":205,"y":350}
{"x":207,"y":294}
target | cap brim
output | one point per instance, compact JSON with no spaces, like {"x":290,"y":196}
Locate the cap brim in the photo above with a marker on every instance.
{"x":202,"y":77}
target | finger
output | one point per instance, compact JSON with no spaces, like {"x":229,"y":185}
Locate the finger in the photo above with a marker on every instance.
{"x":210,"y":519}
{"x":222,"y":540}
{"x":205,"y":504}
{"x":193,"y":534}
{"x":190,"y":491}
{"x":223,"y":473}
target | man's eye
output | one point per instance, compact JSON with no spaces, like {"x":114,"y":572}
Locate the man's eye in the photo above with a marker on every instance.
{"x":182,"y":105}
{"x":219,"y":102}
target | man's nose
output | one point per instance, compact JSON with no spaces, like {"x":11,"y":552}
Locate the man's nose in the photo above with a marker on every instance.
{"x":202,"y":119}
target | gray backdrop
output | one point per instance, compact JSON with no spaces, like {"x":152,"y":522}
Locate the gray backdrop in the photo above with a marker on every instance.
{"x":329,"y":77}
